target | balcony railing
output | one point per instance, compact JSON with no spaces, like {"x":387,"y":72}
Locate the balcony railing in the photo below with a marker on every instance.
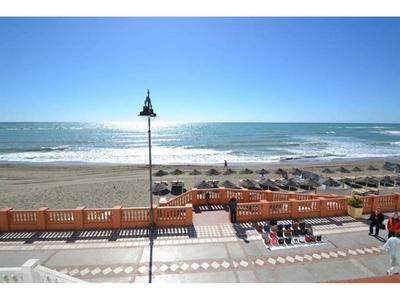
{"x":252,"y":206}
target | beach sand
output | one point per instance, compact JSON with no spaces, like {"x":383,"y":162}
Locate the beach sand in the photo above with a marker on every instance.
{"x":31,"y":186}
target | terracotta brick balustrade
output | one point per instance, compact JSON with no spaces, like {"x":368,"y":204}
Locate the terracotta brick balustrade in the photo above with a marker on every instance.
{"x":253,"y":205}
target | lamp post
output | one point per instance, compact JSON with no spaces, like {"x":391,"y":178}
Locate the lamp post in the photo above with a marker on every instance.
{"x":149,"y":113}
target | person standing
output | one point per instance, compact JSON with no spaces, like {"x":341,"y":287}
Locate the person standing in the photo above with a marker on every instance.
{"x":393,"y":224}
{"x":376,"y":219}
{"x":225,"y":165}
{"x":393,"y":246}
{"x":232,"y":208}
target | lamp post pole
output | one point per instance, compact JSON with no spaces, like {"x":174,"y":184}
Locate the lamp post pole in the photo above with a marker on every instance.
{"x":149,"y":113}
{"x":151,"y":181}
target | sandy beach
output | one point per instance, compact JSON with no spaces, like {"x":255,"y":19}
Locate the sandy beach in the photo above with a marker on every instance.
{"x":31,"y":186}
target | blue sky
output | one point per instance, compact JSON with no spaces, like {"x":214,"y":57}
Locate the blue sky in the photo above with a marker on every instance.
{"x":234,"y":69}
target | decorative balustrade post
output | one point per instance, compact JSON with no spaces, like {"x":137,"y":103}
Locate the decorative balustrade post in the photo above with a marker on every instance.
{"x":294,"y":208}
{"x":264,"y":210}
{"x":189,"y":214}
{"x":323,"y":204}
{"x":374,"y":202}
{"x":397,"y":201}
{"x":28,"y":271}
{"x":42,"y":224}
{"x":116,"y":216}
{"x":4,"y":223}
{"x":155,"y":214}
{"x":270,"y":196}
{"x":245,"y":196}
{"x":79,"y":217}
{"x":194,"y":196}
{"x":222,"y":196}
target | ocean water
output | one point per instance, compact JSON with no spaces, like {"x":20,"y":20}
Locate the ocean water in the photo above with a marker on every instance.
{"x":196,"y":143}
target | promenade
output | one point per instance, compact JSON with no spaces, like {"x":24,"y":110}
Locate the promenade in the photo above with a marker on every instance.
{"x":211,"y":251}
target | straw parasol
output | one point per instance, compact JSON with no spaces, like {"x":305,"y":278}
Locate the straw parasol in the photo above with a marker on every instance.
{"x":160,"y":173}
{"x":281,"y":172}
{"x":331,"y":182}
{"x":195,"y":172}
{"x":309,"y":183}
{"x":328,"y":171}
{"x":267,"y":184}
{"x":228,"y":184}
{"x":159,"y":189}
{"x":249,"y":184}
{"x":213,"y":172}
{"x":229,"y":172}
{"x":263,"y":172}
{"x":246,"y":171}
{"x":203,"y":185}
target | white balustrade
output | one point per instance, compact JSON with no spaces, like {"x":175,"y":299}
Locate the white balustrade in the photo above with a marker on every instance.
{"x":33,"y":272}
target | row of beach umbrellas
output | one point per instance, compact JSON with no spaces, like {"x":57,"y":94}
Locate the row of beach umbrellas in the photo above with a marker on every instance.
{"x":267,"y":183}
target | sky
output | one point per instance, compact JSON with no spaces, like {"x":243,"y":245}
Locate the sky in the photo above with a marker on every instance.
{"x":235,"y":68}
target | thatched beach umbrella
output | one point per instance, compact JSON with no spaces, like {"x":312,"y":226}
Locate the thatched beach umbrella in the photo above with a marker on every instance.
{"x":368,"y":181}
{"x":195,"y":172}
{"x":343,"y":170}
{"x":371,"y":168}
{"x":385,"y":180}
{"x":229,"y":172}
{"x":309,"y":183}
{"x":289,"y":183}
{"x":160,"y":173}
{"x":203,"y":185}
{"x":267,"y":184}
{"x":281,"y":172}
{"x":296,"y":172}
{"x":328,"y":171}
{"x":176,"y":172}
{"x":249,"y":184}
{"x":331,"y":182}
{"x":246,"y":171}
{"x":159,"y":189}
{"x":228,"y":184}
{"x":263,"y":172}
{"x":213,"y":172}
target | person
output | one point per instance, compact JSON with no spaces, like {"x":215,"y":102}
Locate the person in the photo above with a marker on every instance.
{"x":232,"y":208}
{"x":393,"y":246}
{"x":376,"y":219}
{"x":393,"y":224}
{"x":262,"y":177}
{"x":225,"y":165}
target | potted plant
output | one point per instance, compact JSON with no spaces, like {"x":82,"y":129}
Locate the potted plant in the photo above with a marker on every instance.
{"x":355,"y":205}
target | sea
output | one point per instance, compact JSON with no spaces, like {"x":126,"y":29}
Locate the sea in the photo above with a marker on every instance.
{"x":196,"y":143}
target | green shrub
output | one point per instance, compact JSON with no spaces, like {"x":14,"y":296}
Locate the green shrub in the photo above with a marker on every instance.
{"x":355,"y":201}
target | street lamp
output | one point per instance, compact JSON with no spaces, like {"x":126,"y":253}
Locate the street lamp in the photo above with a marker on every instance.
{"x":149,"y":113}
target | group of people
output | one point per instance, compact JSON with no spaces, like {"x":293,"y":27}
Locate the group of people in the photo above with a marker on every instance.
{"x":377,"y":218}
{"x":392,"y":243}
